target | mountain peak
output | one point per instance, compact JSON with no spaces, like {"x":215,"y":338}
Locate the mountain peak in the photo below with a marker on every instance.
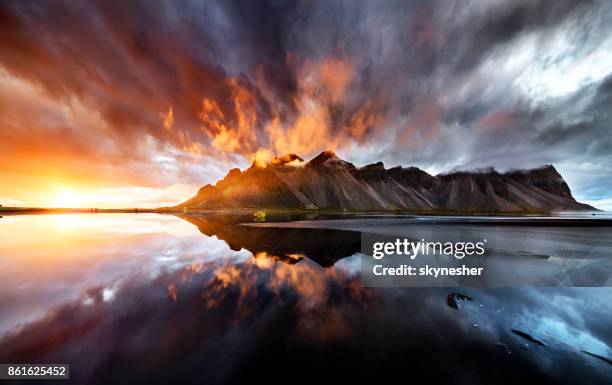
{"x":548,"y":168}
{"x":325,"y":155}
{"x":545,"y":170}
{"x":329,"y":159}
{"x":374,"y":166}
{"x":546,"y":178}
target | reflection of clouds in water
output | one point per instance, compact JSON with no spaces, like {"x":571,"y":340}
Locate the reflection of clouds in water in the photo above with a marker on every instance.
{"x":569,"y":319}
{"x":117,"y":225}
{"x":122,"y":224}
{"x":350,"y":265}
{"x":224,"y":296}
{"x":9,"y":219}
{"x":227,"y":319}
{"x":580,"y":339}
{"x":178,"y":309}
{"x":39,"y":273}
{"x":174,"y":254}
{"x":577,"y":317}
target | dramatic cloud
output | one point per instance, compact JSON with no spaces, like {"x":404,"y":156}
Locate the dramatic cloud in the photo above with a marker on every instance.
{"x":154,"y":92}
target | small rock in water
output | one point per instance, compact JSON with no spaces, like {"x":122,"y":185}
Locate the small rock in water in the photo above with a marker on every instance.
{"x":475,"y":325}
{"x":454,"y":299}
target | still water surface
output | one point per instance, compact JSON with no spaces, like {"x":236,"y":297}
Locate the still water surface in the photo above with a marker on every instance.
{"x":151,"y":298}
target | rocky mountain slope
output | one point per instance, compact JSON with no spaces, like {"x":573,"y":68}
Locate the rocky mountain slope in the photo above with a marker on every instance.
{"x":330,"y":182}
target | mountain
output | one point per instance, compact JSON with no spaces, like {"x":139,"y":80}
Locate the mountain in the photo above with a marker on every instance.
{"x":328,"y":182}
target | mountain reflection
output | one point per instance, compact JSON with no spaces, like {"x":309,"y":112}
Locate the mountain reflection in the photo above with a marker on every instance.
{"x":289,"y":245}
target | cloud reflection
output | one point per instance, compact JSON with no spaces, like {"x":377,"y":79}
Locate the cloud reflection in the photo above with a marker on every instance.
{"x":218,"y":316}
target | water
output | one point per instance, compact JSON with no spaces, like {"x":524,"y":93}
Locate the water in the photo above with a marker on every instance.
{"x":151,"y":298}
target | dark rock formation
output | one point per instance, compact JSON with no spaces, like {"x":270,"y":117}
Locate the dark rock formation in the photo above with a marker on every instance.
{"x":327,"y":181}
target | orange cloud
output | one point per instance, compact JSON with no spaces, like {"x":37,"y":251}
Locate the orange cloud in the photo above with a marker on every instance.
{"x":233,"y":132}
{"x":336,"y":76}
{"x":320,"y":87}
{"x":168,"y":119}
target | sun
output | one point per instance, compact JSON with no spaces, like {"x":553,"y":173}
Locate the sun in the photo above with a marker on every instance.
{"x":67,"y":198}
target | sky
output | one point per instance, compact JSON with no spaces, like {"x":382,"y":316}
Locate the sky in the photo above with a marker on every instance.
{"x":140,"y":103}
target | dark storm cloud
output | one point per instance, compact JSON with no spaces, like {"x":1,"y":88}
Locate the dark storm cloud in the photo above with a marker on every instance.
{"x":512,"y":19}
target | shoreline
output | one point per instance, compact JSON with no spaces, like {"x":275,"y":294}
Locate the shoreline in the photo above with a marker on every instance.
{"x":50,"y":210}
{"x":285,"y":211}
{"x":355,"y":224}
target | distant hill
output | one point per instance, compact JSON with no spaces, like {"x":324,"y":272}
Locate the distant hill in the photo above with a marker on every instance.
{"x":328,"y":182}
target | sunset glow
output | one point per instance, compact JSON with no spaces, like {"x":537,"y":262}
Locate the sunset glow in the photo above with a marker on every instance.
{"x":68,"y":198}
{"x":86,"y":196}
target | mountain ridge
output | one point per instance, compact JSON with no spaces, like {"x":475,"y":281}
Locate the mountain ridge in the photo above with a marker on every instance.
{"x":328,"y":182}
